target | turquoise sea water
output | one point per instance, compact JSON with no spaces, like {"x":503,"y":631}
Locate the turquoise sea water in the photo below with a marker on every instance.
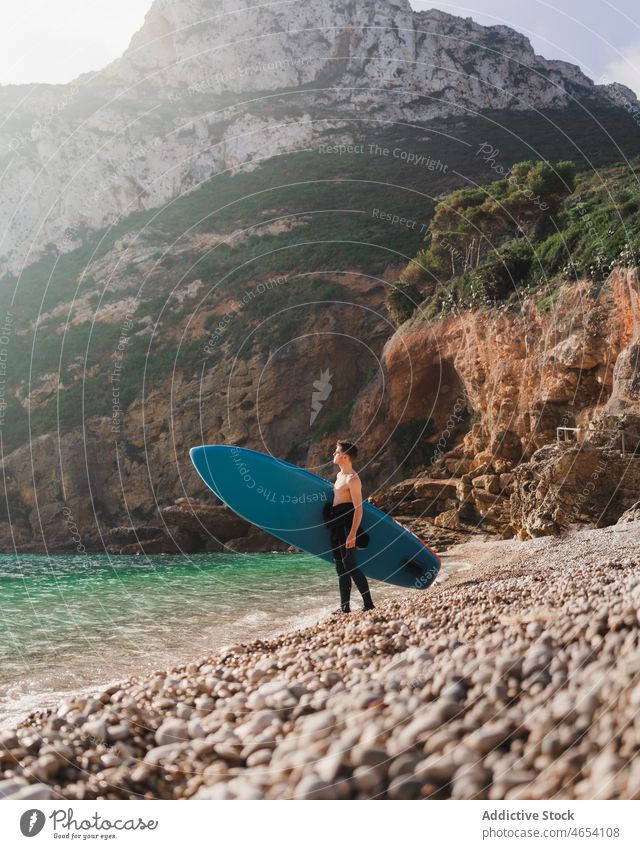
{"x":70,"y":623}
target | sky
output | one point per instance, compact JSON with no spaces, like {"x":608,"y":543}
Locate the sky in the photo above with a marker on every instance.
{"x":52,"y":41}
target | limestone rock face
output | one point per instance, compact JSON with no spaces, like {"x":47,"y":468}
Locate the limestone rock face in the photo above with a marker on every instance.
{"x":630,"y":515}
{"x":417,"y":497}
{"x":208,"y":519}
{"x":564,"y":486}
{"x":513,"y":374}
{"x":192,"y":526}
{"x":258,"y":542}
{"x":520,"y":375}
{"x":384,"y":42}
{"x":66,"y":492}
{"x":174,"y":110}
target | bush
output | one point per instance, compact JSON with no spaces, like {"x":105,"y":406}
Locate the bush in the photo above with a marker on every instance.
{"x":402,"y":300}
{"x":498,"y":276}
{"x":534,"y":229}
{"x":469,"y":226}
{"x":334,"y":422}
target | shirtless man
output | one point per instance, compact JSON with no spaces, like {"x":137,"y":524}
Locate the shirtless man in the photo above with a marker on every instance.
{"x":346,"y":517}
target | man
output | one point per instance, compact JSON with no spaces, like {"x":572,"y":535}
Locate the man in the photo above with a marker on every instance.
{"x":345,"y":515}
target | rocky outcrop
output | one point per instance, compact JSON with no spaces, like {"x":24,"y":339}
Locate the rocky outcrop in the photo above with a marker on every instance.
{"x":417,"y":497}
{"x":201,"y":518}
{"x":193,"y":526}
{"x":519,"y":375}
{"x":630,"y":515}
{"x":465,"y":505}
{"x":565,"y":486}
{"x":562,"y":487}
{"x":217,"y":528}
{"x":516,"y":376}
{"x":95,"y":150}
{"x":66,"y":491}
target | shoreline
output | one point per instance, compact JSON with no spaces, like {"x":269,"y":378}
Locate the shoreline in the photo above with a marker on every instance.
{"x":52,"y":699}
{"x":14,"y":711}
{"x":510,"y":679}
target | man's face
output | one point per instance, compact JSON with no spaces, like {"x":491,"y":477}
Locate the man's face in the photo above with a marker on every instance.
{"x":337,"y":454}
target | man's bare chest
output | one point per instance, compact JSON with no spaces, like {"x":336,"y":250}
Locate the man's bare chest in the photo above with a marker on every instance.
{"x":342,"y":482}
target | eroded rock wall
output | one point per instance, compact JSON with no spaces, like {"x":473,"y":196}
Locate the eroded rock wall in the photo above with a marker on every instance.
{"x":522,"y":372}
{"x":517,"y":376}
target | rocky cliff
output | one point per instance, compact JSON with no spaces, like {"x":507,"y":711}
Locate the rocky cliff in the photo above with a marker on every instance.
{"x":206,"y":88}
{"x":494,"y":387}
{"x":262,"y":176}
{"x":517,"y":377}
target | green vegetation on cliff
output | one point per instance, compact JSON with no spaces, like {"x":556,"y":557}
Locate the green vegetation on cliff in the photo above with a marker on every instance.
{"x":539,"y":226}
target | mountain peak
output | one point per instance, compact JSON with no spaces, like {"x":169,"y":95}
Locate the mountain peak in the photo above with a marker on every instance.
{"x":208,"y":86}
{"x":232,"y":47}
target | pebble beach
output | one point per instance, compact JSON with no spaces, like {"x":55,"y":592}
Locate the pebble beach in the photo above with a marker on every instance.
{"x":518,"y":678}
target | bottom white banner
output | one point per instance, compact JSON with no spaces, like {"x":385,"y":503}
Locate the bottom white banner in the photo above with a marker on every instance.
{"x":311,"y":824}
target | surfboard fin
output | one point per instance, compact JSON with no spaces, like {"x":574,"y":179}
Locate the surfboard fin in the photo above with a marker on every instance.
{"x":413,"y":569}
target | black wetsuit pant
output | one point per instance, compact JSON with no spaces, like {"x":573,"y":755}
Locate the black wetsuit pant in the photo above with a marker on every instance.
{"x":345,"y":558}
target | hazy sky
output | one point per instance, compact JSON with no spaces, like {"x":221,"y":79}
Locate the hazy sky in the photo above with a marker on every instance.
{"x":55,"y":40}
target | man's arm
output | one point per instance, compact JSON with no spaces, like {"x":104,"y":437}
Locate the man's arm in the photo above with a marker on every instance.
{"x":355,"y":488}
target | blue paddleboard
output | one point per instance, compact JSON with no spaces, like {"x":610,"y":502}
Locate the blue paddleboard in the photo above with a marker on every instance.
{"x":287,"y":501}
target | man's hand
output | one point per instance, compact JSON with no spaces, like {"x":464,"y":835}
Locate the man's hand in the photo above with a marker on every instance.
{"x":351,"y":540}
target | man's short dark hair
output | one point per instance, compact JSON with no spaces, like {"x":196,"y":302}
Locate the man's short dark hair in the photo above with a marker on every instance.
{"x":348,"y":448}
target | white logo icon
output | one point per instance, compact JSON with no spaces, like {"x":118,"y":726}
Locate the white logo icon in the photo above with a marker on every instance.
{"x":323,"y":390}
